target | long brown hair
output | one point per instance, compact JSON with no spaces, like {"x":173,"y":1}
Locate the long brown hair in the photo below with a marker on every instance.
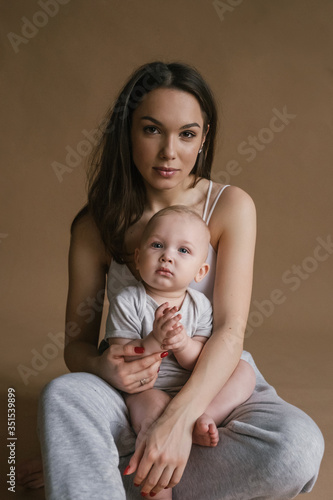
{"x":116,"y":192}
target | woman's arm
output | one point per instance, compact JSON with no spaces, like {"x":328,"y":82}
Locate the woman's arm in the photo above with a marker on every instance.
{"x":88,"y":265}
{"x":164,"y":454}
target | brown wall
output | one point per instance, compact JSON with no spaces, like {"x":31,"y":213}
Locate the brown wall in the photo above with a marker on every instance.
{"x":258,"y":56}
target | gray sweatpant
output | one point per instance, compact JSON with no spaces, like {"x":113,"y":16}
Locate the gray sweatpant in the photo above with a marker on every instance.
{"x":268,"y":449}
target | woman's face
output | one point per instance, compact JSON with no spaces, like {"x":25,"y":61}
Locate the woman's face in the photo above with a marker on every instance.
{"x":167,"y":133}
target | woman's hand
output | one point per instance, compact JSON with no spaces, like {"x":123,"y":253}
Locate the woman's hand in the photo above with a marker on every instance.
{"x":124,"y":375}
{"x":161,"y":457}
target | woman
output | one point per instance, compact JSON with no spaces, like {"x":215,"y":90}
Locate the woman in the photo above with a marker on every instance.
{"x":157,"y":151}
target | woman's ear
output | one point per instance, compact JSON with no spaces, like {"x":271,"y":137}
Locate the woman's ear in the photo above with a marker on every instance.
{"x":202,"y":272}
{"x":204,"y":138}
{"x":205,"y":134}
{"x":136,"y":257}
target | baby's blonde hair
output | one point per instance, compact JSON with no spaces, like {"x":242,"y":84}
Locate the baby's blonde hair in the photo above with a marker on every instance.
{"x":179,"y":209}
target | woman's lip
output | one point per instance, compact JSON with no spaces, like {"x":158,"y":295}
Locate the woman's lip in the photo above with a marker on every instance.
{"x":166,"y":168}
{"x":165,"y":172}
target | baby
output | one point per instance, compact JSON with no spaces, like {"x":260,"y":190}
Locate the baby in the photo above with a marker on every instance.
{"x":162,"y":314}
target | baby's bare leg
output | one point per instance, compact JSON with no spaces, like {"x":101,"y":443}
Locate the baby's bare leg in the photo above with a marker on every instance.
{"x":144,"y":408}
{"x":236,"y":391}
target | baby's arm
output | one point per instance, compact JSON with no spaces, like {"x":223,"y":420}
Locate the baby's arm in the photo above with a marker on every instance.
{"x":165,"y":320}
{"x":185,"y":349}
{"x":188,"y":357}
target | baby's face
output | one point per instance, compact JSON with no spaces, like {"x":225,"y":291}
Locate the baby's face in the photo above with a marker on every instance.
{"x":173,"y":252}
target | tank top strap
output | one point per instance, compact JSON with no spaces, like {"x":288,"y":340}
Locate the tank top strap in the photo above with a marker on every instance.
{"x":207,"y":201}
{"x":215,"y":202}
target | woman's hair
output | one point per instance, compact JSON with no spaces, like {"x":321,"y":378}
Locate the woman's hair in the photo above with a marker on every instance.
{"x":116,"y":192}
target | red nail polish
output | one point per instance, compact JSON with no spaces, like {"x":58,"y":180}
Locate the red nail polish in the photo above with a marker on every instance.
{"x":126,"y":470}
{"x":136,"y":485}
{"x":153,"y":494}
{"x":139,"y":350}
{"x":165,"y":353}
{"x":158,"y":370}
{"x":144,"y":494}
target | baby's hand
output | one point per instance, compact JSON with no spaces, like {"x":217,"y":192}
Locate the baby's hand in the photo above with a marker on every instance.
{"x":166,"y":320}
{"x":176,"y":339}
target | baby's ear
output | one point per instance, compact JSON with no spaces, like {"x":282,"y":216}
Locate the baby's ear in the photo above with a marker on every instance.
{"x":136,"y":257}
{"x":202,"y":272}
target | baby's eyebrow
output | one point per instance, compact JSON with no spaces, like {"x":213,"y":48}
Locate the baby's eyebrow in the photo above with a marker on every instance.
{"x":188,"y":244}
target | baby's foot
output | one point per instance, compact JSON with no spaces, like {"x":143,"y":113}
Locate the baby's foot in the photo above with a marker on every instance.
{"x":205,"y":431}
{"x":30,"y":473}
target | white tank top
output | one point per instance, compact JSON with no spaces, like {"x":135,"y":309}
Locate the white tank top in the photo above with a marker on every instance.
{"x":120,"y":276}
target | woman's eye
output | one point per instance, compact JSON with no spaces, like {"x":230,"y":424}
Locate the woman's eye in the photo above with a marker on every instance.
{"x":183,"y":250}
{"x":188,"y":135}
{"x":150,"y":129}
{"x":156,"y":245}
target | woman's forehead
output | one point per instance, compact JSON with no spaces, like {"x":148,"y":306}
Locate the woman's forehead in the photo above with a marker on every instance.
{"x":170,"y":105}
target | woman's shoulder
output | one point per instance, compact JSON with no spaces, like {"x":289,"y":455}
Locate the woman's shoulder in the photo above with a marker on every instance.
{"x":232,"y":197}
{"x":86,"y":238}
{"x":234,"y":208}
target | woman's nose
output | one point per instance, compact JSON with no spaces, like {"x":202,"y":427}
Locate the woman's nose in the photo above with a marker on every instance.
{"x":168,"y":150}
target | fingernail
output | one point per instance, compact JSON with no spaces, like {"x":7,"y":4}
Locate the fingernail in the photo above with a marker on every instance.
{"x":158,"y":370}
{"x":136,"y":485}
{"x":144,"y":494}
{"x":165,"y":353}
{"x":153,"y":494}
{"x":126,"y":470}
{"x":139,"y":350}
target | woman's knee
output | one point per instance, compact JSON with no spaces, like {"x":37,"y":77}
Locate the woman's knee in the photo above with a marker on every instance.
{"x":59,"y":389}
{"x":295,"y":454}
{"x":80,"y":389}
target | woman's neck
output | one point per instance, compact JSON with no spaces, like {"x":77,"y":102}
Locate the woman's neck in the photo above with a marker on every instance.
{"x":182,"y":194}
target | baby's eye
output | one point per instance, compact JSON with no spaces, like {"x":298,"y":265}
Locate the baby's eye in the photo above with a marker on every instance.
{"x":183,"y":250}
{"x":156,"y":244}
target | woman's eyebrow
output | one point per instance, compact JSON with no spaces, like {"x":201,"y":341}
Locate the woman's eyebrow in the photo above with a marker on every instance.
{"x":188,"y":125}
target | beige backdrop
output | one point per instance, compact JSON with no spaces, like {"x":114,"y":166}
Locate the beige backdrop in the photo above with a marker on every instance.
{"x":269,"y":63}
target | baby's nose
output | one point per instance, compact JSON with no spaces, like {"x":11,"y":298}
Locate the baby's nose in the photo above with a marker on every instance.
{"x":166,"y":258}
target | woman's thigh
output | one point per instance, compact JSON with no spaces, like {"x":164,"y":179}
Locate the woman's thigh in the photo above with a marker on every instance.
{"x":83,"y":427}
{"x":268,"y":449}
